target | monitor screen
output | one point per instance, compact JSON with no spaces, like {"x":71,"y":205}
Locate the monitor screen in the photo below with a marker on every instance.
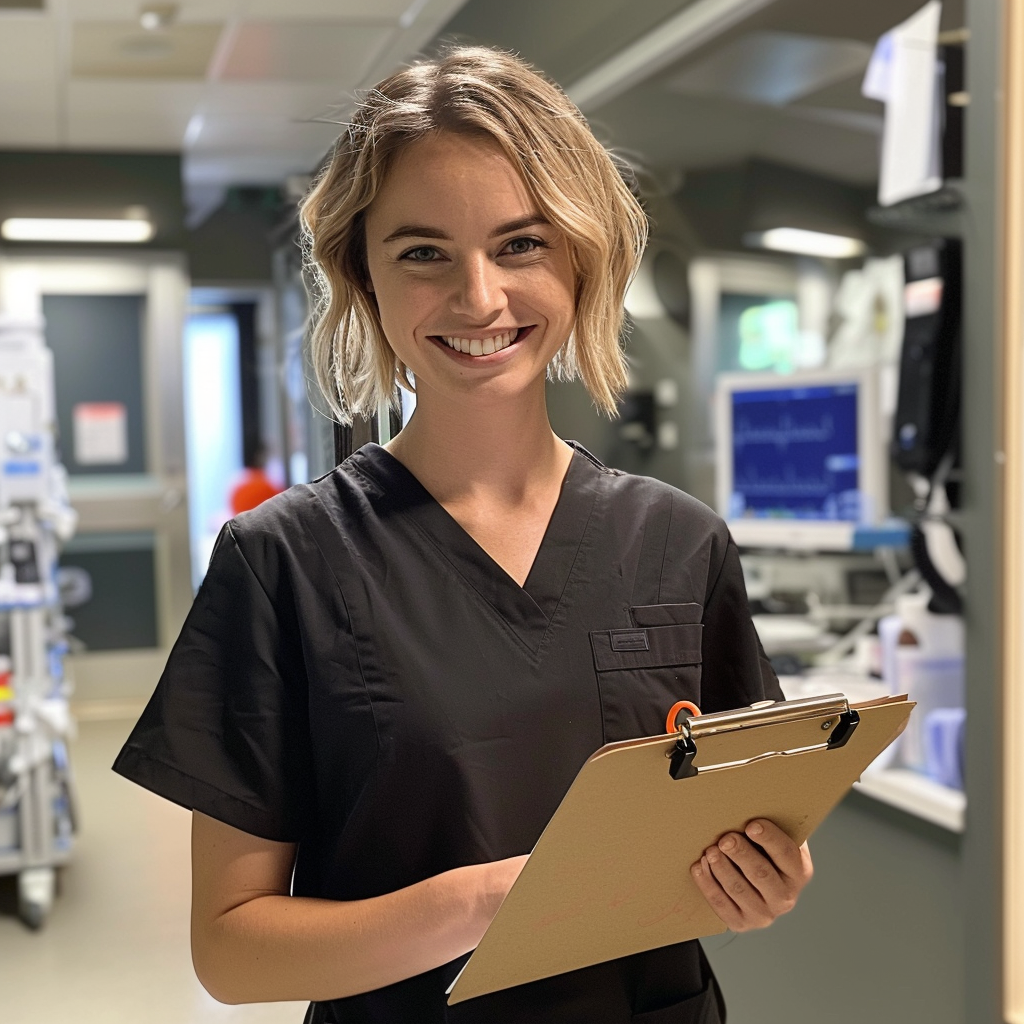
{"x":800,"y":457}
{"x":794,"y":454}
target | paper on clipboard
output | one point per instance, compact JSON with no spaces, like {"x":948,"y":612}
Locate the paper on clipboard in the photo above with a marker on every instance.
{"x":609,"y":876}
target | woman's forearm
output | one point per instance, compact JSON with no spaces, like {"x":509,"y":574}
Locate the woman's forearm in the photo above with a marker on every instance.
{"x":277,"y":947}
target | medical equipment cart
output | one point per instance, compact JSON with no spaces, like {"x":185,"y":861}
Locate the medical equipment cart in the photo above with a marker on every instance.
{"x":36,"y":793}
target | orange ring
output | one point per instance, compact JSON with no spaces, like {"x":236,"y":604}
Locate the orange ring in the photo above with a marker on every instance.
{"x":671,"y":725}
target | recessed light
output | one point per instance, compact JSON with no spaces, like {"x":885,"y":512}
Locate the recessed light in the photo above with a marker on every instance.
{"x":807,"y":243}
{"x":77,"y":229}
{"x":157,"y":16}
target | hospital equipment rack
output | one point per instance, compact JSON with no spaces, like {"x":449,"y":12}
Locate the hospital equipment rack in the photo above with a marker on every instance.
{"x":37,"y":820}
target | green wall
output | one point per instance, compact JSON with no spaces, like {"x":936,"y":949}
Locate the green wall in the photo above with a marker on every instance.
{"x":877,"y":936}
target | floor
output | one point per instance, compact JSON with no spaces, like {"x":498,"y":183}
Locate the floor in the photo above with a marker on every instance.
{"x":116,"y":946}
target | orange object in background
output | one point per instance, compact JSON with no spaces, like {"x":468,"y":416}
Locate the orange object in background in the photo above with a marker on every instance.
{"x":254,"y":489}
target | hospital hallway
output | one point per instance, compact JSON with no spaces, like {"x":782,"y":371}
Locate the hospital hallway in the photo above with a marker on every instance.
{"x":759,"y":263}
{"x":116,"y":947}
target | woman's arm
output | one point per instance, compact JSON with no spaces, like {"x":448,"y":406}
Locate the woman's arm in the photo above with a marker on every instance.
{"x":253,"y":942}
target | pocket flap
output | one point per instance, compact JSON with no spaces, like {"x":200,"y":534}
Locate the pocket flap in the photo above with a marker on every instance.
{"x":650,"y":647}
{"x":666,"y":614}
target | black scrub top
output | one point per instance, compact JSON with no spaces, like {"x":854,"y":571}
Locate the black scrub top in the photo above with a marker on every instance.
{"x":359,"y":677}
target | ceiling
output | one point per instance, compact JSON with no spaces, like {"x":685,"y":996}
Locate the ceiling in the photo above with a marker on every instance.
{"x":243,"y":88}
{"x":236,"y":86}
{"x":781,"y":85}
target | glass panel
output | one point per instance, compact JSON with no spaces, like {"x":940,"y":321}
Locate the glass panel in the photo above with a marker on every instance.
{"x":213,"y":428}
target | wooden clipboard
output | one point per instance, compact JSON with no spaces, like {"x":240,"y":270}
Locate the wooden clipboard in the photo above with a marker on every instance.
{"x":610,"y":875}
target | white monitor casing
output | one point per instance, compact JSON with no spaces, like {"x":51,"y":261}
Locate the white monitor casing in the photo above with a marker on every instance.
{"x":872,"y":452}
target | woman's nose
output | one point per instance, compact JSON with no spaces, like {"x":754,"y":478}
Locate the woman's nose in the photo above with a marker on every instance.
{"x":479,"y":292}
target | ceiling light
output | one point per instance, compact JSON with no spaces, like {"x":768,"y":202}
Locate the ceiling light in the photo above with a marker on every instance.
{"x":807,"y":243}
{"x":67,"y":229}
{"x":157,"y":16}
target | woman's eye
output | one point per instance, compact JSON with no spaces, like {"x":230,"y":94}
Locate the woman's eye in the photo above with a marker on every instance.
{"x":520,"y":246}
{"x":421,"y":254}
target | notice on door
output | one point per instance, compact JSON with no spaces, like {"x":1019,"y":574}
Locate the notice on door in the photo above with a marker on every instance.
{"x":101,"y":433}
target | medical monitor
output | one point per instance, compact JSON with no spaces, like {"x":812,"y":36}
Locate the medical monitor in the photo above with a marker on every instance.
{"x":800,"y":458}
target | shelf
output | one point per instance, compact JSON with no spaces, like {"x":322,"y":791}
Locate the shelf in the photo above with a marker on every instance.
{"x":893,"y":533}
{"x":916,"y":794}
{"x":12,"y":862}
{"x":937,"y":213}
{"x":813,"y":535}
{"x":902,"y":788}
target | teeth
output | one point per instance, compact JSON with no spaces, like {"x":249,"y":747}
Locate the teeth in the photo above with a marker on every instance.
{"x":485,"y":347}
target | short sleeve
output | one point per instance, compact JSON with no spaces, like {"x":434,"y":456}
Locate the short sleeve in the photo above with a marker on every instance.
{"x":736,"y":671}
{"x":226,"y":731}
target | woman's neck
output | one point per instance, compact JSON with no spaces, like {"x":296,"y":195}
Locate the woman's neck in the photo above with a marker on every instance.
{"x":501,"y":454}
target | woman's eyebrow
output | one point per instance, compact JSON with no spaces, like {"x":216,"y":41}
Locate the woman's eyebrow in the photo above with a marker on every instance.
{"x":530,"y":221}
{"x":413,"y":231}
{"x":424,"y":231}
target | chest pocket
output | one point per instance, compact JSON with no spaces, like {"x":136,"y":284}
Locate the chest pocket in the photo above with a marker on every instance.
{"x":641,"y":672}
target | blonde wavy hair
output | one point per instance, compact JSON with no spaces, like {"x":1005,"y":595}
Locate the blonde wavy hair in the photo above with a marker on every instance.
{"x":577,"y":184}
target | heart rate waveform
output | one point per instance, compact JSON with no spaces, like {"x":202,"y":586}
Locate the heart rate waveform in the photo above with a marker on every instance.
{"x":795,"y":454}
{"x":786,"y":432}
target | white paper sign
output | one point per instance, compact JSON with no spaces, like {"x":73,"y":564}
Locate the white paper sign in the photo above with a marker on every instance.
{"x":905,"y":72}
{"x":101,"y":433}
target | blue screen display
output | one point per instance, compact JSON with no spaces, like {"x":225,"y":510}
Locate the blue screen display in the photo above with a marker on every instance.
{"x":794,"y":454}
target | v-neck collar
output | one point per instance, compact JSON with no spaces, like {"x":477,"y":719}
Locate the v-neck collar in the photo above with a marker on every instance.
{"x":527,"y":609}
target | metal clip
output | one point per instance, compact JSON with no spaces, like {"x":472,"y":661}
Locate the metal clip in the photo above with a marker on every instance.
{"x":848,"y":721}
{"x":685,"y":750}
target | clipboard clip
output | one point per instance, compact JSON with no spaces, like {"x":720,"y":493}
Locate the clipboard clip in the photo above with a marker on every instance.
{"x":840,"y":718}
{"x":848,"y":721}
{"x":681,"y":766}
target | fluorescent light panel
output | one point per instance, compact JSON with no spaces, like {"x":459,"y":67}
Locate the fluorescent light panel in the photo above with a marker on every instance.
{"x":67,"y":229}
{"x":808,"y":243}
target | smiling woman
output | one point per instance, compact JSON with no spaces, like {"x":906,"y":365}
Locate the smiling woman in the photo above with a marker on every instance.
{"x":391,"y":676}
{"x":565,"y":177}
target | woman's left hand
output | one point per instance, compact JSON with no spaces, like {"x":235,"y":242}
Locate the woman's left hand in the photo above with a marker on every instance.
{"x":749,"y":880}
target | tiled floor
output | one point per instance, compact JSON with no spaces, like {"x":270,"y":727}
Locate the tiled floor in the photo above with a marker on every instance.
{"x":115,"y":949}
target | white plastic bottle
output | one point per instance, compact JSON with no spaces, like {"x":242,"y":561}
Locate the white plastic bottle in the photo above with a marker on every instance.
{"x":922,"y":656}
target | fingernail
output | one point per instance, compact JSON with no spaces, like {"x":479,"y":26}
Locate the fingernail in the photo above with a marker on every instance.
{"x":727,"y":844}
{"x":755,"y":829}
{"x":696,"y":871}
{"x":712,"y":857}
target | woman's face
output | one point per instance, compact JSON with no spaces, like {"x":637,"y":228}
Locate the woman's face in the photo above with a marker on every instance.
{"x":475,"y":288}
